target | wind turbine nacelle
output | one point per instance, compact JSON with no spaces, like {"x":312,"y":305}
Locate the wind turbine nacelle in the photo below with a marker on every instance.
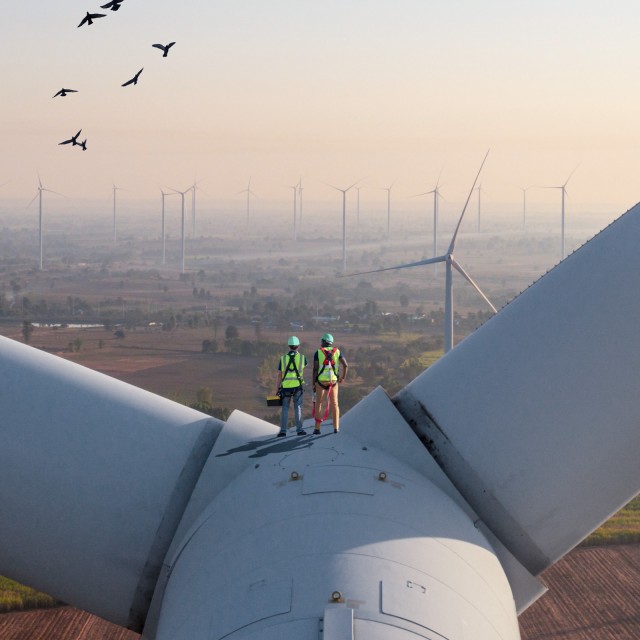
{"x":322,"y":534}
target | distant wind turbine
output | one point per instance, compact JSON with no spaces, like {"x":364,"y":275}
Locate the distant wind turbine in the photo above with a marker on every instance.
{"x":436,"y":197}
{"x":39,"y":196}
{"x":249,"y":194}
{"x":563,"y":189}
{"x":388,"y":190}
{"x":358,"y":205}
{"x":300,"y":189}
{"x":295,"y":211}
{"x":344,"y":222}
{"x":182,"y":225}
{"x":450,"y":262}
{"x":193,"y":189}
{"x":164,"y":235}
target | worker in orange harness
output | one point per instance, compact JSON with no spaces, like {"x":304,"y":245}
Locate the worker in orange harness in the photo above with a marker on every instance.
{"x":329,"y":370}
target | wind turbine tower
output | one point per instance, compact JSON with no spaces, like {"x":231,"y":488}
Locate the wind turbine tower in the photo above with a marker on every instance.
{"x":193,"y":189}
{"x":182,"y":193}
{"x":344,"y":223}
{"x":563,"y":189}
{"x":164,"y":235}
{"x":450,"y":264}
{"x":249,"y":194}
{"x":388,"y":190}
{"x":436,"y":196}
{"x":295,"y":211}
{"x":39,"y":196}
{"x":300,"y":189}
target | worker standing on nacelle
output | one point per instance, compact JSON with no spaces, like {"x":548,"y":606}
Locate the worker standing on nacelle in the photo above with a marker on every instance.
{"x":329,"y":369}
{"x":291,"y":386}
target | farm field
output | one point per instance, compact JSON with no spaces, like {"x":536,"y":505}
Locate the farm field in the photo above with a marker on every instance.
{"x":594,"y":594}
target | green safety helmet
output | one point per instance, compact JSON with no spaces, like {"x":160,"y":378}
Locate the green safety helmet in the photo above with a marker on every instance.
{"x":293,"y":341}
{"x":328,"y":338}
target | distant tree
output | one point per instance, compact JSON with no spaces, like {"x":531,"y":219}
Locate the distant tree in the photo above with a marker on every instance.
{"x":204,"y":396}
{"x":231,"y":332}
{"x":404,"y":300}
{"x":100,"y":344}
{"x":27,"y":331}
{"x":209,"y":346}
{"x":119,"y":333}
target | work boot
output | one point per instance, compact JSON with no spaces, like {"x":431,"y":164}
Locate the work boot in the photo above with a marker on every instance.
{"x":302,"y":432}
{"x":282,"y":434}
{"x":316,"y":432}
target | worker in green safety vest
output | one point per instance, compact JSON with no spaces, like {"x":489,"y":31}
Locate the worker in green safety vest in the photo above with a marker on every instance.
{"x":291,"y":386}
{"x":329,"y":370}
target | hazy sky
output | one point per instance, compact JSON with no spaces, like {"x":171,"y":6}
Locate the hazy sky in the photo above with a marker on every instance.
{"x":333,"y":91}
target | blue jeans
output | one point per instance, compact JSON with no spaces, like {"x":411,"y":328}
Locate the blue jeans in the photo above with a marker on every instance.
{"x":297,"y":395}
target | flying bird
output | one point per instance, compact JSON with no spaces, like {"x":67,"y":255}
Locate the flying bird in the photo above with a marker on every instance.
{"x":73,"y":140}
{"x":133,"y":80}
{"x":90,"y":17}
{"x":63,"y":92}
{"x":83,"y":144}
{"x":164,"y":47}
{"x":114,"y":5}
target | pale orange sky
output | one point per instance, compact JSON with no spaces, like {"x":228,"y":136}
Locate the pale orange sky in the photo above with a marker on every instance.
{"x":332,"y":91}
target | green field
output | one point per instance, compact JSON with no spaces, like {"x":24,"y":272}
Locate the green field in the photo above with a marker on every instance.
{"x":15,"y":597}
{"x":622,"y":528}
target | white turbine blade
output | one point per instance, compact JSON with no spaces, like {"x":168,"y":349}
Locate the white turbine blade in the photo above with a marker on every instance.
{"x":426,"y":193}
{"x":549,"y":401}
{"x":570,"y":175}
{"x":470,"y":280}
{"x":33,"y":200}
{"x":130,"y":448}
{"x":473,"y":186}
{"x":52,"y":191}
{"x":400,"y":266}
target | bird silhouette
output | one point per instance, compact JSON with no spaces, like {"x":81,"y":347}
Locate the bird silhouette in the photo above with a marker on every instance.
{"x":90,"y":17}
{"x":164,"y":47}
{"x":133,"y":80}
{"x":114,"y":5}
{"x":63,"y":92}
{"x":73,"y":140}
{"x":83,"y":144}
